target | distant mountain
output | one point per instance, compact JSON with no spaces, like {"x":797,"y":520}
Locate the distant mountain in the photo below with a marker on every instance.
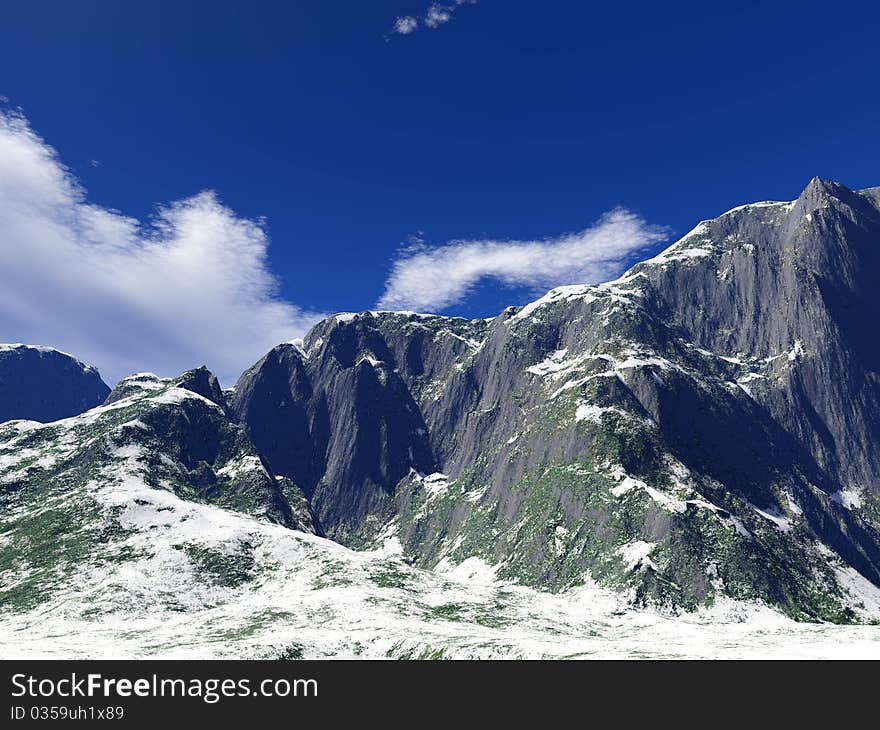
{"x":43,"y":384}
{"x":702,"y":433}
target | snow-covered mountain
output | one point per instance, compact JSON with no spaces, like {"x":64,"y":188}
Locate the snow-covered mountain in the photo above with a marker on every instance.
{"x":660,"y":465}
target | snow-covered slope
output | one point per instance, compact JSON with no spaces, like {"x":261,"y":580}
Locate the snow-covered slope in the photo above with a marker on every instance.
{"x":166,"y":577}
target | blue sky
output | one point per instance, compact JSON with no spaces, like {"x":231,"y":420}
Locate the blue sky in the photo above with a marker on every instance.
{"x":514,"y":121}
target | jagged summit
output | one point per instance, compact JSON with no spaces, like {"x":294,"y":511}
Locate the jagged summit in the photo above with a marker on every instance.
{"x":825,"y":194}
{"x":199,"y":380}
{"x":818,"y":187}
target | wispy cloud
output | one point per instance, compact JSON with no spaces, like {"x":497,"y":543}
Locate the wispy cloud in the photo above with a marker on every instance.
{"x":437,"y":14}
{"x":431,"y":278}
{"x":190,"y":287}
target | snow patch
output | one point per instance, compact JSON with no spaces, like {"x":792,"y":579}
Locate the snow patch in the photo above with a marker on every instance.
{"x":848,"y":498}
{"x":469,"y":570}
{"x":783,"y":205}
{"x":637,"y":553}
{"x":436,"y":485}
{"x":242,"y":465}
{"x":777,"y":518}
{"x":589,"y":412}
{"x":796,"y":351}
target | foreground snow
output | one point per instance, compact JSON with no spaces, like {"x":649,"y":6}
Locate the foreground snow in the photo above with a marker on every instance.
{"x":302,"y":596}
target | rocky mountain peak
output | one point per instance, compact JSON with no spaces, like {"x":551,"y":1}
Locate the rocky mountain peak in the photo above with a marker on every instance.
{"x":819,"y":188}
{"x":202,"y":381}
{"x":706,"y":374}
{"x":834,"y":198}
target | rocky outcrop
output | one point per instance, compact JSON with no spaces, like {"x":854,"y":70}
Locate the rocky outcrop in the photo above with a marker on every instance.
{"x":341,"y":413}
{"x":161,"y":431}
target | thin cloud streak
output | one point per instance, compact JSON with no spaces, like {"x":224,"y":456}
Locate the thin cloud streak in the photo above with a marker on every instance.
{"x":432,"y":278}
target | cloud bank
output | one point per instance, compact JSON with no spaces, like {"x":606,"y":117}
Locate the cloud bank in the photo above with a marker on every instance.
{"x":431,"y":278}
{"x":436,"y":15}
{"x":190,"y":287}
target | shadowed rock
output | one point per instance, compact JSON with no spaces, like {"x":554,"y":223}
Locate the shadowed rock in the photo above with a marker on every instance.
{"x":43,"y":384}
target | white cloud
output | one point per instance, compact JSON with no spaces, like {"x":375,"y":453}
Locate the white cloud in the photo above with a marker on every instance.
{"x":406,"y":25}
{"x":431,"y":278}
{"x":436,"y":15}
{"x":191,"y":287}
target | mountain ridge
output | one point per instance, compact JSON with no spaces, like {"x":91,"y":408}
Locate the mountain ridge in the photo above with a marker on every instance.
{"x":700,"y":429}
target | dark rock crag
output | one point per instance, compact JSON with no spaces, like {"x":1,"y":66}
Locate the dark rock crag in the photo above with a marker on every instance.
{"x":43,"y":384}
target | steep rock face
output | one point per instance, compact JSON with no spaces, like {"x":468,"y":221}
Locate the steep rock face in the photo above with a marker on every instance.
{"x":339,"y":413}
{"x":791,"y":286}
{"x":705,"y":424}
{"x":43,"y":384}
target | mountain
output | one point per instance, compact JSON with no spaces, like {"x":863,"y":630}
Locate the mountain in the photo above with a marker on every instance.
{"x":705,"y":425}
{"x":43,"y":384}
{"x":681,"y":462}
{"x":149,"y":527}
